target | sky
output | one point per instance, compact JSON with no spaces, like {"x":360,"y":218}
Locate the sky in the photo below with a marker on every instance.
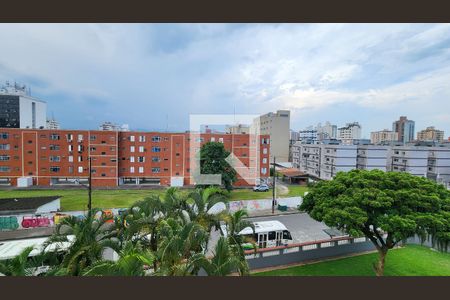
{"x":153,"y":76}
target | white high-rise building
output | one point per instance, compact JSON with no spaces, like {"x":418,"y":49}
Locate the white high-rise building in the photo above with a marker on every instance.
{"x":350,"y":132}
{"x":19,"y":110}
{"x":109,"y":126}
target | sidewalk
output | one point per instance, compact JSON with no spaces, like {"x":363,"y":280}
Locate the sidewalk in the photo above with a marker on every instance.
{"x":268,"y":212}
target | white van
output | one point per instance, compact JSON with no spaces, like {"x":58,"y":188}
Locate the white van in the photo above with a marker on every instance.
{"x":267,"y":234}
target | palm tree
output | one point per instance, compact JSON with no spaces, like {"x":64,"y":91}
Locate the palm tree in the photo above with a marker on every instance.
{"x":19,"y":265}
{"x":235,"y":224}
{"x":179,"y":247}
{"x":203,"y":202}
{"x":92,"y":235}
{"x":224,"y":262}
{"x":132,"y":261}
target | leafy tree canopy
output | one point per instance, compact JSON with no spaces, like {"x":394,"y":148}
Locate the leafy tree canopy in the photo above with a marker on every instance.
{"x":212,"y":161}
{"x":386,"y":207}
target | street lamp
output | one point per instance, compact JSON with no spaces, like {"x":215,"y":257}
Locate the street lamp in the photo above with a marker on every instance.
{"x":89,"y":186}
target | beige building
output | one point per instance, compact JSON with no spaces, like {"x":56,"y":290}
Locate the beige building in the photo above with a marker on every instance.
{"x":379,"y":137}
{"x":430,"y":134}
{"x":277,"y":125}
{"x":350,"y":132}
{"x":238,"y":129}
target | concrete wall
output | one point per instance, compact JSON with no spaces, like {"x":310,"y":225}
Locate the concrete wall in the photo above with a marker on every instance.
{"x":308,"y":252}
{"x":265,"y":204}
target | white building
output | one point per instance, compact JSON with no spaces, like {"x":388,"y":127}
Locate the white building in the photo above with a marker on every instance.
{"x":350,"y":132}
{"x":328,"y":131}
{"x":19,"y":110}
{"x":109,"y":126}
{"x":370,"y":157}
{"x":52,"y":124}
{"x":411,"y":159}
{"x":439,"y":165}
{"x":276,"y":124}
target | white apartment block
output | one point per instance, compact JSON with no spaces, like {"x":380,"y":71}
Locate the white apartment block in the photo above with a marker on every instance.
{"x":370,"y":157}
{"x":324,"y":161}
{"x":350,"y":132}
{"x":411,"y":159}
{"x":276,"y":124}
{"x":439,"y":165}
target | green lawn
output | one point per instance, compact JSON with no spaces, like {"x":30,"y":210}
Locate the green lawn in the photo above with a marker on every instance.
{"x":76,"y":199}
{"x":412,"y":260}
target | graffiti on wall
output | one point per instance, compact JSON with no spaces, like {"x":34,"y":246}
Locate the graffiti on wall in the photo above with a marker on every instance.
{"x":9,"y":223}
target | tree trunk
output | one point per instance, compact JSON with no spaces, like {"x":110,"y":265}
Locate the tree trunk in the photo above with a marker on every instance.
{"x":379,"y":267}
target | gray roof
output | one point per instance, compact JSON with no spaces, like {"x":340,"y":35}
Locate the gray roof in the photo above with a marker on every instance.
{"x":28,"y":203}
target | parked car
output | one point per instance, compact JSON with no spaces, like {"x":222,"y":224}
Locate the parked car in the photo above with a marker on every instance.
{"x":261,"y":188}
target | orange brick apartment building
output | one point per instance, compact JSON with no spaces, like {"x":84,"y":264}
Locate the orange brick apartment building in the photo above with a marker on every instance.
{"x":58,"y":157}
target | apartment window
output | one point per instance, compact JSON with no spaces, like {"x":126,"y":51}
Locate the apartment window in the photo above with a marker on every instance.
{"x":131,"y":169}
{"x":156,"y":149}
{"x":103,"y":164}
{"x":141,"y":170}
{"x":142,"y":138}
{"x":113,"y":160}
{"x":55,"y":158}
{"x":220,"y":140}
{"x":80,"y":137}
{"x":54,"y":147}
{"x":213,"y":139}
{"x":30,"y":142}
{"x":263,"y":170}
{"x":80,"y":169}
{"x":265,"y":151}
{"x":103,"y":153}
{"x":70,"y":148}
{"x":188,"y":170}
{"x":54,"y":136}
{"x":264,"y":160}
{"x":54,"y":169}
{"x":4,"y":135}
{"x":69,"y":137}
{"x":112,"y":149}
{"x":93,"y":149}
{"x":80,"y":148}
{"x":5,"y":169}
{"x":131,"y":138}
{"x":156,"y":159}
{"x":141,"y":159}
{"x":131,"y":158}
{"x":166,"y":138}
{"x":141,"y":148}
{"x":80,"y":158}
{"x":165,"y":169}
{"x":4,"y":146}
{"x":30,"y":152}
{"x":156,"y":170}
{"x":93,"y":137}
{"x":178,"y":154}
{"x":156,"y":138}
{"x":131,"y":148}
{"x":4,"y":157}
{"x":103,"y":174}
{"x":70,"y":158}
{"x":70,"y":169}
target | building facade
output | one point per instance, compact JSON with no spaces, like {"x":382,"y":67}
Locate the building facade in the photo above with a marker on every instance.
{"x":61,"y":157}
{"x":350,"y":132}
{"x":404,"y":129}
{"x":383,"y":137}
{"x":276,"y":125}
{"x":430,"y":134}
{"x":19,"y":110}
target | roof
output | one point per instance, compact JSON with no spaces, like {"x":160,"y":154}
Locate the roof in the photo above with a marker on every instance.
{"x":264,"y":226}
{"x":292,"y":172}
{"x":10,"y":249}
{"x":283,"y":164}
{"x":29,"y":203}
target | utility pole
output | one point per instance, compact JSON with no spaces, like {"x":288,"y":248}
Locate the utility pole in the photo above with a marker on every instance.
{"x":273,"y":187}
{"x":90,"y":186}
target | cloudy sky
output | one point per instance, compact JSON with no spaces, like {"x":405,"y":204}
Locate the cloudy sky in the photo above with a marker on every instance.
{"x":145,"y":74}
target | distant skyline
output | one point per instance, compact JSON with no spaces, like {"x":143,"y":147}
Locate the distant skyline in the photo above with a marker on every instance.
{"x":146,"y":74}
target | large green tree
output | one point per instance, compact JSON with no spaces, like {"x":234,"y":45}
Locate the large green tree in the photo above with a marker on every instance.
{"x":386,"y":207}
{"x":212,"y":161}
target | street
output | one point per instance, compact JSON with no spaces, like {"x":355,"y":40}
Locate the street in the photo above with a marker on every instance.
{"x":302,"y":227}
